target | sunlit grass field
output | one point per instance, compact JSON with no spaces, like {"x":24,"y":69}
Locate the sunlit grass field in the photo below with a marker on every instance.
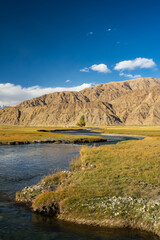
{"x":133,"y":130}
{"x":18,"y":134}
{"x":127,"y":171}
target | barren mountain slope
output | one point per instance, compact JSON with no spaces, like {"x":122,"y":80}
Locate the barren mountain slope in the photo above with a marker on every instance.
{"x":133,"y":102}
{"x":141,"y":107}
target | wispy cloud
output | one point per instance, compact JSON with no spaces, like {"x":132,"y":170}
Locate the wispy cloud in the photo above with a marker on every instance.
{"x":89,"y":33}
{"x":11,"y":95}
{"x":102,"y":68}
{"x":67,"y":81}
{"x":136,"y":63}
{"x":84,"y":69}
{"x":130,"y":75}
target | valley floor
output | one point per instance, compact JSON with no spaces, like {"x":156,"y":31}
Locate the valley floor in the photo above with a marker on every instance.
{"x":14,"y":135}
{"x":111,"y":185}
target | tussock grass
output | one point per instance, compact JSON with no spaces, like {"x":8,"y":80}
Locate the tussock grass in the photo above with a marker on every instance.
{"x":44,"y":199}
{"x":55,"y":179}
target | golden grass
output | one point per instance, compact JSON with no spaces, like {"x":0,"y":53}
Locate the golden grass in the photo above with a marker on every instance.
{"x":130,"y":168}
{"x":133,"y":130}
{"x":23,"y":134}
{"x":101,"y":174}
{"x":111,"y":185}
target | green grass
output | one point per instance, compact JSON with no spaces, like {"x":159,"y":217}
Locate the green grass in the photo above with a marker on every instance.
{"x":120,"y":182}
{"x":26,"y":134}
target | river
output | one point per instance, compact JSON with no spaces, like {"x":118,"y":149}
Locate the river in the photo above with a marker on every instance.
{"x":24,"y":165}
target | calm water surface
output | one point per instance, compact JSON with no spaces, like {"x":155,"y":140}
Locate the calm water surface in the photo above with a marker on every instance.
{"x":25,"y":165}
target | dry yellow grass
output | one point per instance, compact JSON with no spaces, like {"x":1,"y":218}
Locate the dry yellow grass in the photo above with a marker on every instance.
{"x":133,"y":130}
{"x":111,"y":185}
{"x":25,"y":134}
{"x":115,"y":182}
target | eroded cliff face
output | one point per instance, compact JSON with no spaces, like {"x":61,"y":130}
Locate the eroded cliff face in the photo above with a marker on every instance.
{"x":132,"y":102}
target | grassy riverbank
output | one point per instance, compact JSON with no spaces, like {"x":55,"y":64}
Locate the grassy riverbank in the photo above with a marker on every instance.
{"x":112,"y":185}
{"x":24,"y":135}
{"x":141,"y":130}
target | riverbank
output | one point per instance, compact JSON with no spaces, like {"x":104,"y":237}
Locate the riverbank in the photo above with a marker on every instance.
{"x":29,"y":135}
{"x":112,"y":186}
{"x":148,"y":131}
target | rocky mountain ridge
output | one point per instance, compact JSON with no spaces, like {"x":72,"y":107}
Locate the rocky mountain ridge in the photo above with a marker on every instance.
{"x":132,"y":102}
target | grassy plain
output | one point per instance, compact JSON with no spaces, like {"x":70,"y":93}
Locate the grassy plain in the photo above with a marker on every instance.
{"x":133,"y":130}
{"x":112,"y":185}
{"x":16,"y":135}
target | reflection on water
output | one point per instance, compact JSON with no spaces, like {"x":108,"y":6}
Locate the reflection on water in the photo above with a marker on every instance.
{"x":24,"y":165}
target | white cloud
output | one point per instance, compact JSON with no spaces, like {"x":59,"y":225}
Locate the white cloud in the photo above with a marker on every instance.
{"x":109,"y":29}
{"x":130,"y":75}
{"x":84,"y":69}
{"x":136,"y":63}
{"x":102,"y":68}
{"x":67,"y":81}
{"x":11,"y":95}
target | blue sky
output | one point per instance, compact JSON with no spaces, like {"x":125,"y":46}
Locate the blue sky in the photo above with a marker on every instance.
{"x":50,"y":45}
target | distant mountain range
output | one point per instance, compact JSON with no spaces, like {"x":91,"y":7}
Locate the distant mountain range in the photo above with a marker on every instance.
{"x":3,"y":106}
{"x":132,"y":102}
